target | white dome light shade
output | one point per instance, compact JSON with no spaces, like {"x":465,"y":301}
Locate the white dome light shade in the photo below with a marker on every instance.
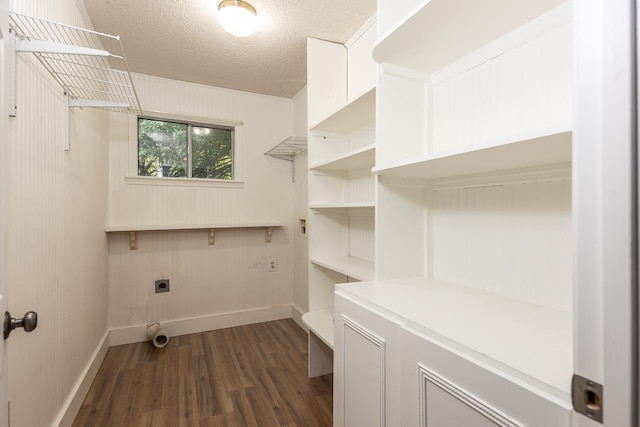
{"x":237,"y":17}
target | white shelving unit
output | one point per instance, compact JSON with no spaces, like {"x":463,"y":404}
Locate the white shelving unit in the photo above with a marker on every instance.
{"x":509,"y":232}
{"x":341,"y":220}
{"x":473,"y":245}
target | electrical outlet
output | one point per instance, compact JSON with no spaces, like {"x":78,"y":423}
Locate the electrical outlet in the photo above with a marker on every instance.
{"x":162,"y":285}
{"x":273,"y":265}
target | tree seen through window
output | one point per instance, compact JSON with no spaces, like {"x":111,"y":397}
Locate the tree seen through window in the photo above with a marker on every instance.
{"x":164,"y":150}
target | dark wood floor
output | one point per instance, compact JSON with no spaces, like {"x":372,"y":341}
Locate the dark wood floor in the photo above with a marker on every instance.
{"x":253,"y":375}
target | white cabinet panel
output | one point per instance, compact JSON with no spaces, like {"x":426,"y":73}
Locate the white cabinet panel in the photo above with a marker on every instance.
{"x":366,"y":378}
{"x":445,"y":410}
{"x":364,"y":375}
{"x":471,"y":391}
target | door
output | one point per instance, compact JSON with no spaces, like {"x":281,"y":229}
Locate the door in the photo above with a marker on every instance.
{"x":605,"y":205}
{"x":4,"y":117}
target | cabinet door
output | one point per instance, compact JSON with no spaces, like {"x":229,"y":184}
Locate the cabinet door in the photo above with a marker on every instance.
{"x":363,"y":376}
{"x":444,"y":404}
{"x":445,"y":410}
{"x":366,"y":367}
{"x":443,"y":386}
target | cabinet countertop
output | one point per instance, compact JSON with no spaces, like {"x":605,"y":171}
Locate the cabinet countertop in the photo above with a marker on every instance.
{"x":531,"y":343}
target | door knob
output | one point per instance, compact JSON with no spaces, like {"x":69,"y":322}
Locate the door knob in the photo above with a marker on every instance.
{"x":29,"y":322}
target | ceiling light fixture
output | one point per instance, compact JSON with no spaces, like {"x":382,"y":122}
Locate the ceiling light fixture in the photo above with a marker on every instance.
{"x":237,"y":17}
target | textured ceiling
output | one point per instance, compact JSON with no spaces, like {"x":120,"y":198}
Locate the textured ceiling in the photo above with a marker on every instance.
{"x":182,"y":39}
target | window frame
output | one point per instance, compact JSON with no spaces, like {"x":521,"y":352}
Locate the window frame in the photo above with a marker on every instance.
{"x":190,"y":123}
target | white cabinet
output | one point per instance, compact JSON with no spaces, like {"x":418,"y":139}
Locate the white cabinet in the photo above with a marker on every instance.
{"x":510,"y":366}
{"x":341,"y":187}
{"x":445,"y":387}
{"x":366,"y":386}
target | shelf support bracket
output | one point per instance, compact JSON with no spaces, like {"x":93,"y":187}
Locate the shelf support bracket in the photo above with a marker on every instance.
{"x":133,"y":240}
{"x":293,"y":170}
{"x":288,"y":150}
{"x":268,"y":234}
{"x":11,"y":66}
{"x":212,"y":236}
{"x":82,"y":103}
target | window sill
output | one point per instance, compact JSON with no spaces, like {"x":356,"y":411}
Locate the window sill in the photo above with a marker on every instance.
{"x":182,"y":182}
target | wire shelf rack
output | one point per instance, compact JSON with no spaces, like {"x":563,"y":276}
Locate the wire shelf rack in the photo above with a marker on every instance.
{"x":90,"y":66}
{"x":288,"y":150}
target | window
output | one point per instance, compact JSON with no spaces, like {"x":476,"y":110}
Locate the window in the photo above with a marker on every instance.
{"x":184,"y":150}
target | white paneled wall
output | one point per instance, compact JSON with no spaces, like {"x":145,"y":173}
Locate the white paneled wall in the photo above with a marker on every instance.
{"x":525,"y":88}
{"x":360,"y":187}
{"x":362,"y":236}
{"x":226,"y":277}
{"x":488,"y":237}
{"x":205,"y":280}
{"x":266,"y":194}
{"x":361,"y":138}
{"x":54,"y":249}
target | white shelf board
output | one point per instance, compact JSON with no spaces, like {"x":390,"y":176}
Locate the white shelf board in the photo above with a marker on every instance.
{"x":353,"y":267}
{"x":125,"y":229}
{"x":362,"y":158}
{"x":352,"y":116}
{"x":319,"y":206}
{"x":320,"y":322}
{"x":438,"y":32}
{"x":531,"y":343}
{"x":548,"y":147}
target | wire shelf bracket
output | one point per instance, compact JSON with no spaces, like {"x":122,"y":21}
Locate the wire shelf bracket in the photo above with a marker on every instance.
{"x":288,"y":150}
{"x":90,"y":66}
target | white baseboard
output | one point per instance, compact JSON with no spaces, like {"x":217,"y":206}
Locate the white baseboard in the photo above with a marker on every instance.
{"x":72,"y":405}
{"x":137,"y":333}
{"x":296,"y":315}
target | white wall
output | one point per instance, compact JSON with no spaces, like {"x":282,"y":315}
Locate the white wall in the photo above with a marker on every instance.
{"x":267,"y":190}
{"x":205,"y":280}
{"x":54,"y":249}
{"x":300,"y":208}
{"x":58,"y":261}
